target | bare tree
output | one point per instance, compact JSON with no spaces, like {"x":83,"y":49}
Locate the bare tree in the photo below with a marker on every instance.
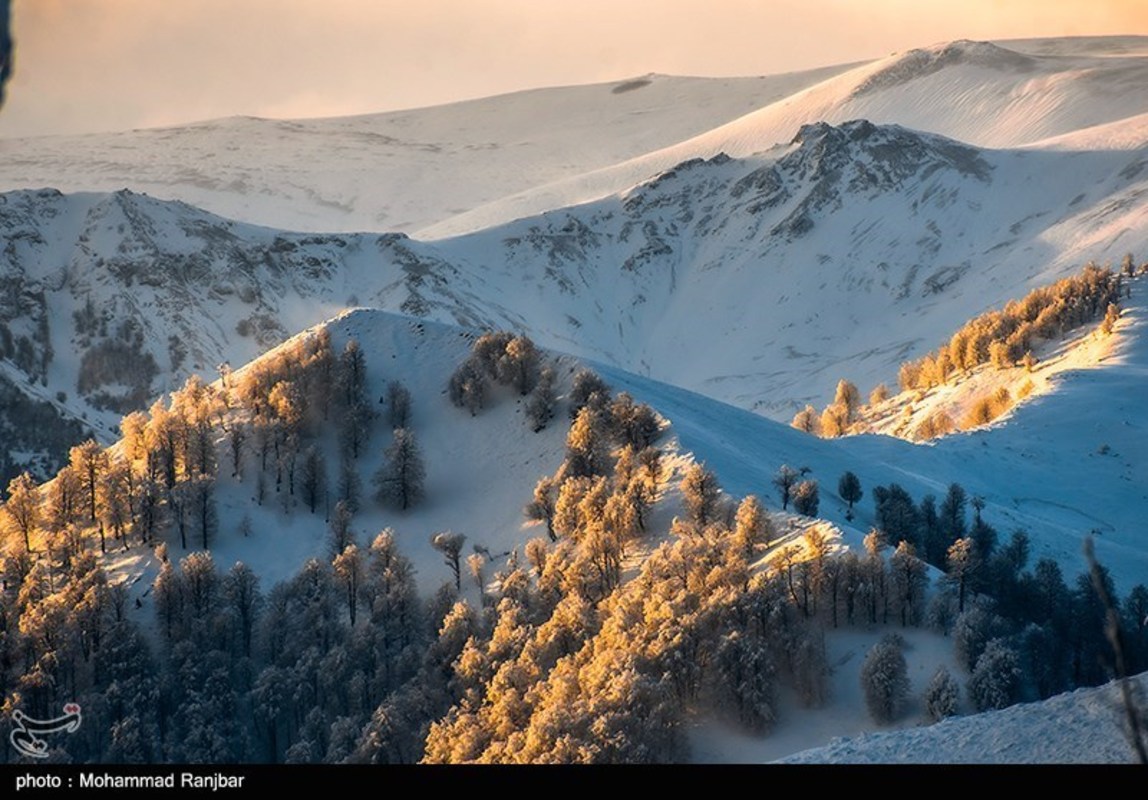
{"x":400,"y":481}
{"x":784,"y":480}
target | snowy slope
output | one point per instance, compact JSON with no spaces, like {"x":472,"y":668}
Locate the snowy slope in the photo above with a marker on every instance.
{"x":1043,"y":468}
{"x":987,"y":94}
{"x":1080,"y":727}
{"x":466,"y":166}
{"x":402,"y":170}
{"x":481,"y":471}
{"x":761,"y":281}
{"x":756,"y":281}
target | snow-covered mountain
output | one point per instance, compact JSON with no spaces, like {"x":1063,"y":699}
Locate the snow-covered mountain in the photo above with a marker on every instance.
{"x":466,"y":166}
{"x":481,"y":470}
{"x":402,"y":170}
{"x":758,"y":281}
{"x":723,"y":250}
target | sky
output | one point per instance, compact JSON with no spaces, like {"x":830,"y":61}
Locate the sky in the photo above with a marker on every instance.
{"x":97,"y":65}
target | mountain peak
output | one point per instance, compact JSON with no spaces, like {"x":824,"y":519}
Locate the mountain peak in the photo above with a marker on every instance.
{"x":902,"y":68}
{"x":893,"y":150}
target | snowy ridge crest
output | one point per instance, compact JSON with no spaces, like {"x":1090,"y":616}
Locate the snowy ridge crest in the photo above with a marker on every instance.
{"x":921,"y":62}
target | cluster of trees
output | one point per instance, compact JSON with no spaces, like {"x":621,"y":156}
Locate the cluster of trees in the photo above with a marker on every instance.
{"x":1004,"y":338}
{"x":266,"y":420}
{"x":838,"y":418}
{"x":1046,"y":636}
{"x":118,"y":361}
{"x":500,"y":357}
{"x":559,"y":660}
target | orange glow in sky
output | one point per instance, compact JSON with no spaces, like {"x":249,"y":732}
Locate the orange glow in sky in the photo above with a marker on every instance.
{"x":84,"y":65}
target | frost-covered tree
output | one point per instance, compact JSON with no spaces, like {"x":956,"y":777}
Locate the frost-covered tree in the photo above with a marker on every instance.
{"x":351,"y":375}
{"x":806,"y":498}
{"x":22,"y":509}
{"x":807,"y":420}
{"x":587,"y":446}
{"x":348,"y":569}
{"x":885,"y":679}
{"x":995,"y":682}
{"x":89,"y":461}
{"x":909,"y":578}
{"x":848,"y":398}
{"x":634,"y":424}
{"x":518,"y":365}
{"x":972,"y":632}
{"x":340,"y":534}
{"x":963,"y":561}
{"x":244,"y":602}
{"x":400,"y":481}
{"x":350,"y":485}
{"x":541,"y":508}
{"x":467,"y":387}
{"x":751,"y":525}
{"x":700,"y":494}
{"x":543,"y":397}
{"x":942,"y":695}
{"x":746,"y":680}
{"x":587,"y":388}
{"x":450,"y":545}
